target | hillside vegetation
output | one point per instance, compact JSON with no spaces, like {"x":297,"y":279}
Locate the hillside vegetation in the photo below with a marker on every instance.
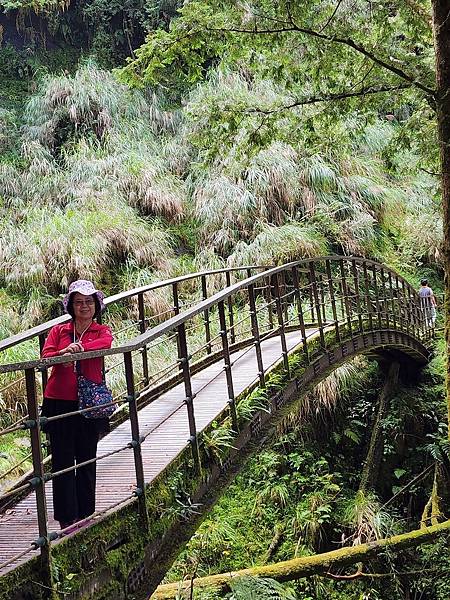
{"x":140,"y":141}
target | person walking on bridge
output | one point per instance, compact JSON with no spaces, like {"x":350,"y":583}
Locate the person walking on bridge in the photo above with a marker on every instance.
{"x":74,"y":439}
{"x":427,"y":302}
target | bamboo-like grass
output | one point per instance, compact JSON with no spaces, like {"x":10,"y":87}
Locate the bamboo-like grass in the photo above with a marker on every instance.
{"x":365,"y":519}
{"x":51,"y":250}
{"x":275,"y":245}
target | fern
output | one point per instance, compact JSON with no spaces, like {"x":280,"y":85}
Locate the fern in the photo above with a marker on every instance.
{"x":255,"y":588}
{"x":439,"y":449}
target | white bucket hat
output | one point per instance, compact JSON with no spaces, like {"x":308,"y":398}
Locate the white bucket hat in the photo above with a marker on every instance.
{"x":85,"y":287}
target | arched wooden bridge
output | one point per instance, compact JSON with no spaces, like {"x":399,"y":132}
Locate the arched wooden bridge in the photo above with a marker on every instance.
{"x":219,"y":356}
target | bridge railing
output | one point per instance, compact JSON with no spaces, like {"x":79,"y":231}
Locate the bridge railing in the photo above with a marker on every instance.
{"x":347,"y":295}
{"x":137,"y":310}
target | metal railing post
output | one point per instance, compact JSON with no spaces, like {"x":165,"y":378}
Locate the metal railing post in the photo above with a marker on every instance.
{"x":269,"y":303}
{"x":279,"y":305}
{"x":367,"y":295}
{"x":38,"y":480}
{"x":176,"y":300}
{"x":189,"y":399}
{"x":206,"y":318}
{"x":142,"y":328}
{"x":321,"y":287}
{"x":377,"y":296}
{"x":44,"y":370}
{"x":347,"y":304}
{"x":135,"y":437}
{"x":411,"y":311}
{"x":301,"y":320}
{"x":332,"y":299}
{"x":284,"y":292}
{"x":385,"y":299}
{"x":227,"y":367}
{"x":176,"y":311}
{"x":357,"y":296}
{"x":312,"y":276}
{"x":393,"y":300}
{"x":401,"y":302}
{"x":311,"y":298}
{"x":230,"y":310}
{"x":255,"y":333}
{"x":341,"y":300}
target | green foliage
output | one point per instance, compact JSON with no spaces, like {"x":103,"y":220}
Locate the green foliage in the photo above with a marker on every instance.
{"x":366,"y":520}
{"x":247,"y":406}
{"x":218,"y":441}
{"x":255,"y":588}
{"x":209,"y":29}
{"x":35,"y":5}
{"x":278,"y":245}
{"x":436,"y":564}
{"x":301,"y":491}
{"x":269,"y":160}
{"x":79,"y":178}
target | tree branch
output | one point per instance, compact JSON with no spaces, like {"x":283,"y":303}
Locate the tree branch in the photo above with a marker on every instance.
{"x":330,"y":97}
{"x":311,"y":565}
{"x":430,"y":172}
{"x":332,"y":39}
{"x":410,"y":483}
{"x":328,"y":21}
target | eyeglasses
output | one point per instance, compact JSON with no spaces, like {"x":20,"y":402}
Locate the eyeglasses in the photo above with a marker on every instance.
{"x":82,"y":302}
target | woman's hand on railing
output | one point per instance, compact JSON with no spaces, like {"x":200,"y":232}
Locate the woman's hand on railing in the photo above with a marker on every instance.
{"x":72,"y":348}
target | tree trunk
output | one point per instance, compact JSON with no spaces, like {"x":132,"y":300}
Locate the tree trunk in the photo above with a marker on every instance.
{"x":441,"y":31}
{"x":310,"y":565}
{"x":374,"y":456}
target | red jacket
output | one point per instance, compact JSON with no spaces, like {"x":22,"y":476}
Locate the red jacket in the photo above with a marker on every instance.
{"x":62,"y":383}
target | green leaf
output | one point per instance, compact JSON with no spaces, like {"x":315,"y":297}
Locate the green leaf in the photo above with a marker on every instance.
{"x":399,"y":472}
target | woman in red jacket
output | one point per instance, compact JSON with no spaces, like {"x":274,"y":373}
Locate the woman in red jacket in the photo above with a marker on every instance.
{"x":74,"y":439}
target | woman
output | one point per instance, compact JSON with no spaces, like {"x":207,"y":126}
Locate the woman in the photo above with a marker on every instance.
{"x":74,"y":439}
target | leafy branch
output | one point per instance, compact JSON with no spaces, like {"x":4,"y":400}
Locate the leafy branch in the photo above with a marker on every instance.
{"x":291,"y":26}
{"x":330,"y":97}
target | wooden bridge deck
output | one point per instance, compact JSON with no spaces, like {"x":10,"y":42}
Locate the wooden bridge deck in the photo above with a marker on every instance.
{"x":165,"y":423}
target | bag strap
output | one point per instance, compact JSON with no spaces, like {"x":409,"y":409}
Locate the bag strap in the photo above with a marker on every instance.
{"x":78,"y":363}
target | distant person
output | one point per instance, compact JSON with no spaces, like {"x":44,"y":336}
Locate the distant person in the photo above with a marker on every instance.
{"x":74,"y":439}
{"x":427,"y":302}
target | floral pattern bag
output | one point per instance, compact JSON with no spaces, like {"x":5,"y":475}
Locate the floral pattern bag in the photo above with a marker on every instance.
{"x":91,"y":394}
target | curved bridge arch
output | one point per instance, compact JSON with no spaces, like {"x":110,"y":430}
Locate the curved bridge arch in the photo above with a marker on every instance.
{"x":300,"y":320}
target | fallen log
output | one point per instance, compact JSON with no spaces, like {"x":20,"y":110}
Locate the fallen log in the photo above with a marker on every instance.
{"x":309,"y":565}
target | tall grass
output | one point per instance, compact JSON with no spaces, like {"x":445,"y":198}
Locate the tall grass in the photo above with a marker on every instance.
{"x":275,"y":245}
{"x":93,"y":185}
{"x":86,"y":103}
{"x":366,"y":520}
{"x":54,"y":249}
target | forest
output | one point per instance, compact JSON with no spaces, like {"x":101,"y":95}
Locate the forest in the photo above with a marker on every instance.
{"x":145,"y":139}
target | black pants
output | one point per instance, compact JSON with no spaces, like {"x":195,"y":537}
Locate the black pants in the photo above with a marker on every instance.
{"x":73,"y":440}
